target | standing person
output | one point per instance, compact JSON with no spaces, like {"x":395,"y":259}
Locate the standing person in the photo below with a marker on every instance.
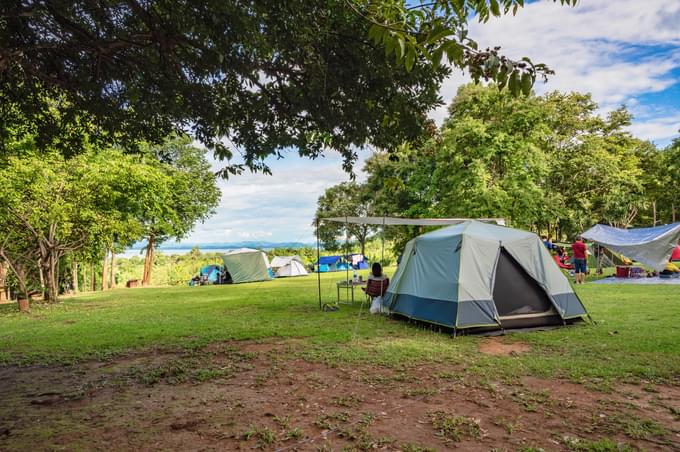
{"x":579,"y":251}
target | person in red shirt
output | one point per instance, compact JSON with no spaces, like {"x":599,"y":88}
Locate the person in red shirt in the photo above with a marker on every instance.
{"x":579,"y":251}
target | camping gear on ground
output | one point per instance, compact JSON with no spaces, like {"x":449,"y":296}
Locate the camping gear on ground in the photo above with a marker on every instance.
{"x":246,"y":265}
{"x":676,"y":254}
{"x":285,"y":266}
{"x":376,"y":305}
{"x":561,"y":264}
{"x":331,"y":264}
{"x":650,"y":246}
{"x":622,"y":271}
{"x":478,"y":276}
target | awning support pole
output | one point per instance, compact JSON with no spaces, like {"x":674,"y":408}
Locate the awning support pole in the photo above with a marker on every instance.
{"x":318,"y":264}
{"x":382,"y":252}
{"x":347,"y":250}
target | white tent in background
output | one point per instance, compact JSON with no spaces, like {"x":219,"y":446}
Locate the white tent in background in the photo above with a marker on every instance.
{"x":288,"y":266}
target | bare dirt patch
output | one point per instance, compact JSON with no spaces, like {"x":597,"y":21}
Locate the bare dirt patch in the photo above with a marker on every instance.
{"x":246,"y":395}
{"x":497,"y":346}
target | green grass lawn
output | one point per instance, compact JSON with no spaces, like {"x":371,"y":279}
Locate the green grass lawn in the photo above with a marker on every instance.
{"x":636,"y":335}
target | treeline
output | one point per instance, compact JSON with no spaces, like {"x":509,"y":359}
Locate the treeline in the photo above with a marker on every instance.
{"x":547,"y":163}
{"x":63,"y":219}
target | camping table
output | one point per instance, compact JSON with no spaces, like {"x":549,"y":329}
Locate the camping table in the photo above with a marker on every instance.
{"x":349,"y":285}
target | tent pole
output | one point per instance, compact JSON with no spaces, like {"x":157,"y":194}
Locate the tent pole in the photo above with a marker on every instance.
{"x":382,"y":252}
{"x":346,"y":249}
{"x":318,"y":264}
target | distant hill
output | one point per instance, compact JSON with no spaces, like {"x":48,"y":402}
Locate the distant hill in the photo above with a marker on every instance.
{"x":229,"y":245}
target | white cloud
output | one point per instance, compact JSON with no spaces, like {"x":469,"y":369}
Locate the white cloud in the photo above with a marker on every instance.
{"x":601,"y":46}
{"x":661,"y":129}
{"x":277,"y":208}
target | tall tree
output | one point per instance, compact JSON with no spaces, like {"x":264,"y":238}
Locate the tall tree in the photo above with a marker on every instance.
{"x":542,"y":162}
{"x":56,"y":206}
{"x":191,"y":195}
{"x":345,"y":199}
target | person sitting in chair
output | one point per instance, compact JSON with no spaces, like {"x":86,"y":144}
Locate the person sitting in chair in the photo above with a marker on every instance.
{"x":377,"y":283}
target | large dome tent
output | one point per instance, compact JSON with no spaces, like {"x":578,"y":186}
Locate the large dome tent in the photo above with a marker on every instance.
{"x":479,"y":276}
{"x":246,"y":265}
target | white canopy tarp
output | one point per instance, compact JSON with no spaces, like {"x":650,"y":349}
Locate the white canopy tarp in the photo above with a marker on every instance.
{"x":650,"y":246}
{"x":394,"y":221}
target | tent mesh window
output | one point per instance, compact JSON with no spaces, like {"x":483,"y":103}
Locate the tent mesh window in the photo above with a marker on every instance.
{"x":515,"y":292}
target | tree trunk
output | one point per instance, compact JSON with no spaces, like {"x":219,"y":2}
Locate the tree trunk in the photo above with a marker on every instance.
{"x":3,"y":281}
{"x":112,"y":273}
{"x":52,"y":278}
{"x":74,"y":276}
{"x":673,"y":210}
{"x":105,"y":278}
{"x":148,"y":262}
{"x":93,"y":280}
{"x":654,"y":212}
{"x":42,"y":277}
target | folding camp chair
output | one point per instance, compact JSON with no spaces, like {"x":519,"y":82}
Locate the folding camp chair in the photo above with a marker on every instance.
{"x":376,"y":287}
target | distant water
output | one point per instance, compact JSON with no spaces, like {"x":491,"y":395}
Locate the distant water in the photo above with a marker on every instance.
{"x":131,"y":253}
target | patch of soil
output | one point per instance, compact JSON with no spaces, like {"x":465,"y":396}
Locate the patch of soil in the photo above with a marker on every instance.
{"x":496,"y":346}
{"x":246,"y":395}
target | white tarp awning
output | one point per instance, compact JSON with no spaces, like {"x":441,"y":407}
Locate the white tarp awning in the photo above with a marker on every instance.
{"x":650,"y":246}
{"x":393,"y":221}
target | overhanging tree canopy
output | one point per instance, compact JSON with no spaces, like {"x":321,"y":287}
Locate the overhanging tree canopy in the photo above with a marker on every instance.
{"x":268,"y":75}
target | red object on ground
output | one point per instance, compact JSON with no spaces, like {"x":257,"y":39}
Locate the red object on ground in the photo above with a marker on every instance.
{"x":560,"y":264}
{"x":622,"y":272}
{"x":676,"y":253}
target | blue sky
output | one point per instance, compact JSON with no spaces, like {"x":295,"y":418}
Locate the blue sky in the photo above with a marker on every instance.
{"x":624,"y":52}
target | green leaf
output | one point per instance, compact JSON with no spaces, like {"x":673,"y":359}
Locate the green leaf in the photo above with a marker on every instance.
{"x":438,"y":35}
{"x":410,"y":58}
{"x":401,"y":50}
{"x":376,"y":33}
{"x":454,"y":52}
{"x":437,"y":55}
{"x":495,"y":9}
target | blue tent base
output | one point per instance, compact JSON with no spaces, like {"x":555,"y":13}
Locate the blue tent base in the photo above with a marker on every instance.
{"x":552,"y":322}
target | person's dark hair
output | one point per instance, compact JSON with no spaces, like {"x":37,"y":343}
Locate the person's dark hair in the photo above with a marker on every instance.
{"x":376,"y":269}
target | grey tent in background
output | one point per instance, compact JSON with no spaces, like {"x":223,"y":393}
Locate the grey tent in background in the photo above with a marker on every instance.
{"x":480,"y":276}
{"x":246,"y":265}
{"x":650,"y":246}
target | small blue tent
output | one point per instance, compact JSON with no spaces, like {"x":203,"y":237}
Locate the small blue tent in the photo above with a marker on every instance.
{"x":331,"y":264}
{"x":212,"y":272}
